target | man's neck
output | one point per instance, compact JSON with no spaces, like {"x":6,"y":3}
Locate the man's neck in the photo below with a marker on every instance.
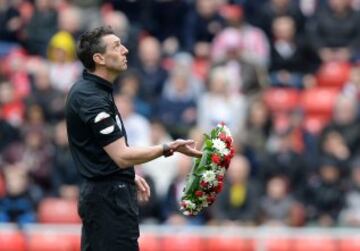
{"x":102,"y":73}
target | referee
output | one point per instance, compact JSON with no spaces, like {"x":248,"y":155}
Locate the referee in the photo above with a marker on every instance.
{"x":97,"y":136}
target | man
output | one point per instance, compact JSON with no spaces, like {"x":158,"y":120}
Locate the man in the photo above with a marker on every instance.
{"x":98,"y":143}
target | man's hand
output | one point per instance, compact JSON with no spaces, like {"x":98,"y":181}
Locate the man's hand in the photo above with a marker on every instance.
{"x":143,"y":189}
{"x":186,"y":147}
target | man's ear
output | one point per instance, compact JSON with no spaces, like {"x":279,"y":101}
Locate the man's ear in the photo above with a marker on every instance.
{"x":99,"y":59}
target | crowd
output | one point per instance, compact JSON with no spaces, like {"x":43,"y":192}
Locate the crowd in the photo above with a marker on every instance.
{"x":192,"y":64}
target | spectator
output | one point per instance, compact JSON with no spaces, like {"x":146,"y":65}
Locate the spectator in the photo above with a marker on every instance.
{"x":169,"y":17}
{"x":245,"y":77}
{"x":289,"y":61}
{"x":283,"y":160}
{"x":64,"y":69}
{"x":334,"y":33}
{"x":177,"y":107}
{"x":220,"y":104}
{"x":17,"y":206}
{"x":51,"y":100}
{"x":65,"y":178}
{"x":8,"y":134}
{"x":201,"y":26}
{"x":346,"y":123}
{"x":352,"y":87}
{"x":241,"y":36}
{"x":70,"y":20}
{"x":334,"y":146}
{"x":90,"y":15}
{"x":128,"y":84}
{"x":12,"y":109}
{"x":152,"y":74}
{"x":138,"y":131}
{"x":237,"y":204}
{"x":10,"y":25}
{"x":276,"y":204}
{"x":324,"y":195}
{"x":43,"y":24}
{"x":38,"y":156}
{"x":276,"y":8}
{"x":257,"y":129}
{"x":349,"y":215}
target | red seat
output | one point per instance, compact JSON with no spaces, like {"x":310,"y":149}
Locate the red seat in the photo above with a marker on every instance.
{"x":53,"y":210}
{"x":47,"y":241}
{"x":149,"y":242}
{"x":181,"y":242}
{"x":281,"y":99}
{"x":223,"y":243}
{"x":350,"y":244}
{"x":333,"y":74}
{"x":319,"y":101}
{"x":278,"y":244}
{"x":11,"y":241}
{"x":315,"y":244}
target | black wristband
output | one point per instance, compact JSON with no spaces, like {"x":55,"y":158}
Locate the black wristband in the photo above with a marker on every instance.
{"x":167,"y":151}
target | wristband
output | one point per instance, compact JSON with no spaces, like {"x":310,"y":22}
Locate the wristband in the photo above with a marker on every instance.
{"x":167,"y":151}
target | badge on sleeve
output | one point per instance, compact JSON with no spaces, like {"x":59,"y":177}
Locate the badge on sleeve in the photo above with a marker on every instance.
{"x":103,"y":120}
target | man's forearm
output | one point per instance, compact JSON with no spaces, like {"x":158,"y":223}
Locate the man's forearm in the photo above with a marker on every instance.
{"x":138,"y":155}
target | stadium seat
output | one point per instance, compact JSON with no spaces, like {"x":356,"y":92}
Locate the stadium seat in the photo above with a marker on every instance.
{"x":349,"y":244}
{"x":223,"y":243}
{"x":333,"y":74}
{"x":181,"y":242}
{"x":278,"y":244}
{"x":53,"y":210}
{"x":314,"y":244}
{"x":281,"y":99}
{"x":46,"y":241}
{"x":12,"y":241}
{"x":319,"y":101}
{"x":149,"y":242}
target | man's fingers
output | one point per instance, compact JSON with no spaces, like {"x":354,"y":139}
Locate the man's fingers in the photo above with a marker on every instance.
{"x":146,"y":188}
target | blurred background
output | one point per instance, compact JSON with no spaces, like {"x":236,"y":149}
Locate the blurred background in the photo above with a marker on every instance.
{"x":284,"y":75}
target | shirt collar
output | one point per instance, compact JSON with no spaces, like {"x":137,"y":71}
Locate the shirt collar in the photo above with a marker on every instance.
{"x":89,"y":76}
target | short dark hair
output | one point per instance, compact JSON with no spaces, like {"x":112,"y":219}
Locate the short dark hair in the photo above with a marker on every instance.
{"x":90,"y":43}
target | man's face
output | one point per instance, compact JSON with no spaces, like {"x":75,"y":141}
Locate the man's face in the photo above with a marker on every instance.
{"x":115,"y":54}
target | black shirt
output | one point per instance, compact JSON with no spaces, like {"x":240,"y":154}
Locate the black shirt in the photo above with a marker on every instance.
{"x":93,"y":122}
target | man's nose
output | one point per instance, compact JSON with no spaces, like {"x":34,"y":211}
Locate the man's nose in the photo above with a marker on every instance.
{"x":125,"y":50}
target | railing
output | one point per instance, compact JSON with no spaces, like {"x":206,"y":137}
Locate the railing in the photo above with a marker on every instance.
{"x":35,"y":237}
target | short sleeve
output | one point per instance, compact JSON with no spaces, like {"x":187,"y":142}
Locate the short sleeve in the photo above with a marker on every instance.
{"x":98,"y":114}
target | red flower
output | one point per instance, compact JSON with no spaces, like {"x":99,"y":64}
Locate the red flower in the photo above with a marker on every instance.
{"x":219,"y":187}
{"x":222,"y":137}
{"x":220,"y":178}
{"x":204,"y":184}
{"x":199,"y":193}
{"x":215,"y":158}
{"x":228,"y":140}
{"x":210,"y":199}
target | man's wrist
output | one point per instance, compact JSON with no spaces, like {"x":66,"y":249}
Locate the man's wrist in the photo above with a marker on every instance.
{"x":167,"y":151}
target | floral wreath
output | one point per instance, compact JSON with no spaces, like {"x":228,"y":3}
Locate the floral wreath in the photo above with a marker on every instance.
{"x":206,"y":178}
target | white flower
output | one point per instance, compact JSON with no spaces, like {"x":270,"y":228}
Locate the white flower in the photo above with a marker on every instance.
{"x":186,"y":213}
{"x":220,"y":146}
{"x":221,"y":171}
{"x":209,"y":176}
{"x":189,"y":204}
